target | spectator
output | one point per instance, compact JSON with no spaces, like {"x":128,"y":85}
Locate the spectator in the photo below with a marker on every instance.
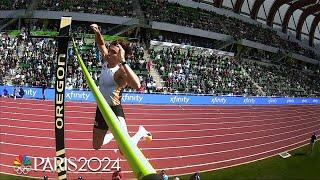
{"x":5,"y":93}
{"x":149,"y":65}
{"x":15,"y":93}
{"x":313,"y":142}
{"x":164,"y":175}
{"x":21,"y":93}
{"x":117,"y":175}
{"x":195,"y":176}
{"x":44,"y":86}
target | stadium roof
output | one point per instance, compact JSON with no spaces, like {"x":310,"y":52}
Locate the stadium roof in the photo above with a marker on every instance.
{"x":299,"y":17}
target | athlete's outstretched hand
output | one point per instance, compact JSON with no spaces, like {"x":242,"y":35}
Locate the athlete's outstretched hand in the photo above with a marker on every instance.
{"x":95,"y":28}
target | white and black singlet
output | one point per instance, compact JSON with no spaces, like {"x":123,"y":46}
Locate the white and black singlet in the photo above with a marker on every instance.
{"x":111,"y":92}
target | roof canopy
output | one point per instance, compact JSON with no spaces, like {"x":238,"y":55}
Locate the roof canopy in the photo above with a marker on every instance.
{"x":299,"y":17}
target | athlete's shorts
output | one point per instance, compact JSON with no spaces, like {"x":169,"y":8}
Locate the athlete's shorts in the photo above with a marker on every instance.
{"x":100,"y":123}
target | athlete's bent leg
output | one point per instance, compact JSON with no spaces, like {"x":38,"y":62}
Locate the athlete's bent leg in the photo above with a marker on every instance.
{"x":98,"y":137}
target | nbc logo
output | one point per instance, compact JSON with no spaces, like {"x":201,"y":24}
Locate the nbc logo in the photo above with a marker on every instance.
{"x":22,"y":164}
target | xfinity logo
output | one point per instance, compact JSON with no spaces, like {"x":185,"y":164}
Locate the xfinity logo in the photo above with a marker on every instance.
{"x":290,"y":100}
{"x":272,"y":101}
{"x":30,"y":92}
{"x":218,"y":100}
{"x":249,"y":101}
{"x":133,"y":98}
{"x":78,"y":95}
{"x":177,"y":99}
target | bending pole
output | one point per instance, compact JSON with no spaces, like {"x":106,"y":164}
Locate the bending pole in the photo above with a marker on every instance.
{"x":61,"y":71}
{"x":139,"y":164}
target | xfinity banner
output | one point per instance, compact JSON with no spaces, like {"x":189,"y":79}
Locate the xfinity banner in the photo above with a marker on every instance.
{"x":138,"y":98}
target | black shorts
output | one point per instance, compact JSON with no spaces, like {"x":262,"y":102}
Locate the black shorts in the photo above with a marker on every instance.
{"x":100,"y":123}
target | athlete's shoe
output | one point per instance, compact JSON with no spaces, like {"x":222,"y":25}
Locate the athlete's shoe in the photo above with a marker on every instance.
{"x":146,"y":134}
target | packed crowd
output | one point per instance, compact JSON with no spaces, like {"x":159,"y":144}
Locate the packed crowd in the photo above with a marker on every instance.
{"x":283,"y":80}
{"x":110,"y":7}
{"x":201,"y":71}
{"x":163,"y":11}
{"x":14,"y":4}
{"x":26,"y":62}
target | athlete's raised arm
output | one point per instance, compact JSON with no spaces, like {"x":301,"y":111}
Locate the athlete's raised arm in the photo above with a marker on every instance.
{"x":100,"y":41}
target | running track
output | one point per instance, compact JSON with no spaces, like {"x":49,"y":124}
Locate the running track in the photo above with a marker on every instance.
{"x":185,"y":138}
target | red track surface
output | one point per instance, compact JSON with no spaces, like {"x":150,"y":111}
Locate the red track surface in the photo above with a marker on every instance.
{"x":185,"y":138}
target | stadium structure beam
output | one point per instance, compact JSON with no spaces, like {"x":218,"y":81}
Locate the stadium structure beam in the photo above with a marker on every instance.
{"x":313,"y":28}
{"x":238,"y":6}
{"x":273,"y":10}
{"x":293,"y":7}
{"x":255,"y":9}
{"x":308,"y":11}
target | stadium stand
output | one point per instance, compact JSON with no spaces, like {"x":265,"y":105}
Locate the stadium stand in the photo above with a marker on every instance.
{"x":201,"y":72}
{"x":10,"y":4}
{"x":196,"y":71}
{"x":164,"y":11}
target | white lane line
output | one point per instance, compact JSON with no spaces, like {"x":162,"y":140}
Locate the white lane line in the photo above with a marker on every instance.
{"x":202,"y":137}
{"x":243,"y":157}
{"x":230,"y":150}
{"x":175,"y":131}
{"x":167,"y":131}
{"x":190,"y":146}
{"x":152,"y":119}
{"x":25,"y":136}
{"x":197,"y":165}
{"x":147,"y":113}
{"x":182,"y":138}
{"x":223,"y":167}
{"x":228,"y":142}
{"x":184,"y":124}
{"x":80,"y":105}
{"x":160,"y":148}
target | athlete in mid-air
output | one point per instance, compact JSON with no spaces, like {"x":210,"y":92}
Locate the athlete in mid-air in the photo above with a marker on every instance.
{"x":115,"y":76}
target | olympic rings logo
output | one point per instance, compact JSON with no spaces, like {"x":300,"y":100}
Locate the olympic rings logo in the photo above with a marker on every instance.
{"x":22,"y":169}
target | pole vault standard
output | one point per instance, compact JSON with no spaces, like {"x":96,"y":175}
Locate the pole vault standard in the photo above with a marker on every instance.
{"x":138,"y":162}
{"x":61,"y":70}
